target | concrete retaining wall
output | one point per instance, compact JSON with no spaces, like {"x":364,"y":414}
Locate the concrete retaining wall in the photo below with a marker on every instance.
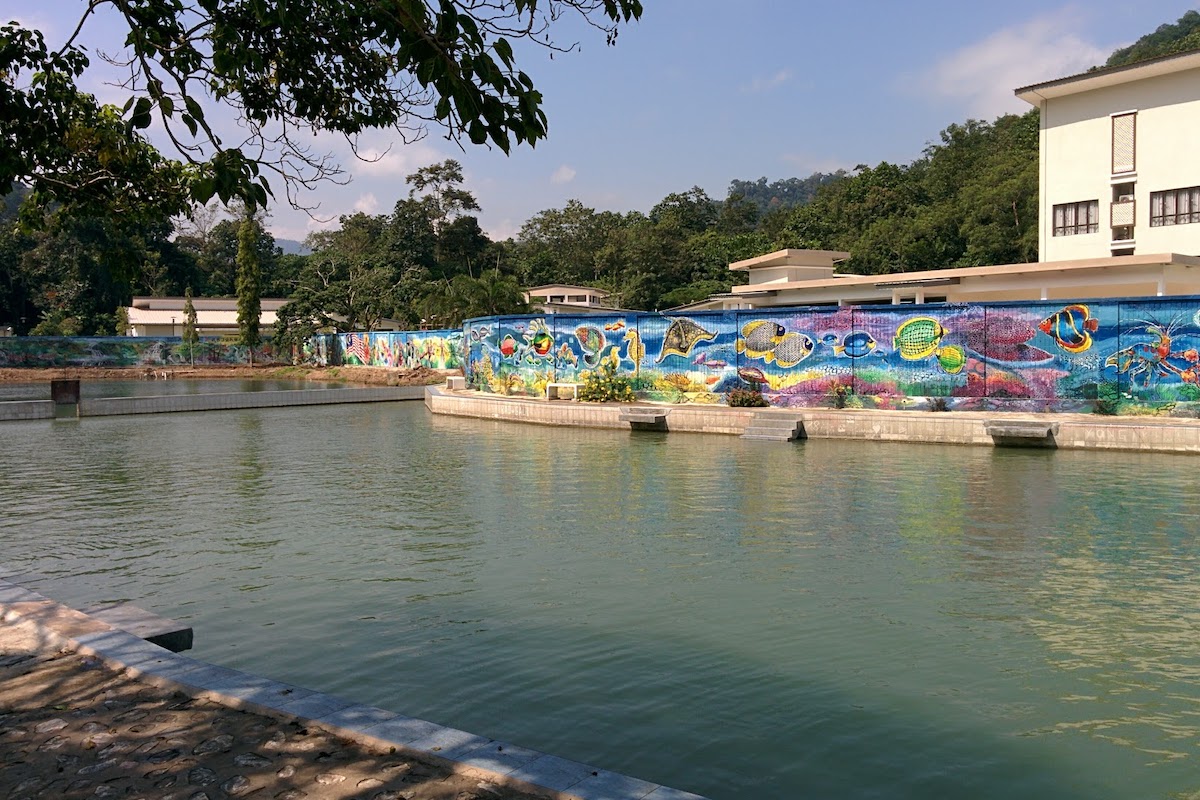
{"x":107,"y":406}
{"x":1073,"y":431}
{"x":26,"y":409}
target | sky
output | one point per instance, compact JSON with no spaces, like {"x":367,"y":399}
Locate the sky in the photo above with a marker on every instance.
{"x":703,"y":92}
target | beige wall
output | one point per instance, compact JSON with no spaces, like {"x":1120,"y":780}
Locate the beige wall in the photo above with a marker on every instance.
{"x":1076,"y":161}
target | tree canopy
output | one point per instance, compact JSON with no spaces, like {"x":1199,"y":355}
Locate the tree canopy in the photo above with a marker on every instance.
{"x":1165,"y":40}
{"x":285,"y":69}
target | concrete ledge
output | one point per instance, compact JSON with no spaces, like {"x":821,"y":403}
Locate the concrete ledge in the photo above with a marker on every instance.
{"x":26,"y":409}
{"x":110,"y":406}
{"x":166,"y":633}
{"x":455,"y":383}
{"x":1070,"y":431}
{"x":1022,"y":433}
{"x":501,"y":763}
{"x":645,"y":419}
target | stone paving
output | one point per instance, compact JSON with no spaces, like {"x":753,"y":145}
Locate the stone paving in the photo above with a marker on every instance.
{"x":72,"y":727}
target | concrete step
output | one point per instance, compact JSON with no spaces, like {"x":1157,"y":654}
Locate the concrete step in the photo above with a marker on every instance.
{"x":771,"y":427}
{"x":645,"y":419}
{"x":174,"y":636}
{"x":769,"y":436}
{"x":1022,"y":433}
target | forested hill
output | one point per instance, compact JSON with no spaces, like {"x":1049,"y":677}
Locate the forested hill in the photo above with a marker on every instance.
{"x":969,"y":199}
{"x":1166,"y":40}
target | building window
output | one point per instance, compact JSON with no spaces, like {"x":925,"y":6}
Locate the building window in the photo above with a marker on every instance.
{"x":1074,"y":218}
{"x":1124,"y":142}
{"x":1175,"y":207}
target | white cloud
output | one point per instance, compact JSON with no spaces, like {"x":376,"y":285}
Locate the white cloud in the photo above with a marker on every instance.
{"x":765,"y":84}
{"x":367,"y":203}
{"x":563,"y":174}
{"x":983,"y":75}
{"x":385,"y":159}
{"x":503,"y":230}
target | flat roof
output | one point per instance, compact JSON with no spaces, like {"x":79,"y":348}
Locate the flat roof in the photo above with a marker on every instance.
{"x":1109,"y":76}
{"x":948,"y":276}
{"x":566,"y":286}
{"x":792,"y":258}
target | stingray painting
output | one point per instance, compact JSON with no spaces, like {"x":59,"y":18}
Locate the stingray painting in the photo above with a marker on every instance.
{"x":681,"y":336}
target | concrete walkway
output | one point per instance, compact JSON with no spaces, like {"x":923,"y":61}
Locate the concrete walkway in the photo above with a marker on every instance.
{"x":88,"y":711}
{"x":985,"y":428}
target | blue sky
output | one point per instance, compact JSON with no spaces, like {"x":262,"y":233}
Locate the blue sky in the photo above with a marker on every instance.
{"x":701,"y":92}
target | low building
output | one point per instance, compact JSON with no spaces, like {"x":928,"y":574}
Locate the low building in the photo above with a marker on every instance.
{"x":807,"y":278}
{"x":563,"y":298}
{"x":215,"y":316}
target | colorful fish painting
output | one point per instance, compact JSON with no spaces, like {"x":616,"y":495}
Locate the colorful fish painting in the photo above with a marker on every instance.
{"x":1071,"y":328}
{"x":791,"y":350}
{"x":752,"y":375}
{"x":951,"y":358}
{"x":590,"y":339}
{"x":759,"y":337}
{"x":541,"y":342}
{"x":917,"y":338}
{"x":855,"y":344}
{"x":615,"y":326}
{"x":682,"y":335}
{"x":508,"y":345}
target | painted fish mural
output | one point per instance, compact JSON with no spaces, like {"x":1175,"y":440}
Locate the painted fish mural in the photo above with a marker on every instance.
{"x":979,"y":356}
{"x":856,"y":344}
{"x":771,"y":342}
{"x":760,"y":337}
{"x":1071,"y":328}
{"x":951,"y":359}
{"x":917,"y":338}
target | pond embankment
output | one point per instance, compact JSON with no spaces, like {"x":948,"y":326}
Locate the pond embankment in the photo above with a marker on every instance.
{"x":987,"y":428}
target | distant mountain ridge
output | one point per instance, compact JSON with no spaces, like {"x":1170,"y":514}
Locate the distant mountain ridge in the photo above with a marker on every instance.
{"x":291,"y":247}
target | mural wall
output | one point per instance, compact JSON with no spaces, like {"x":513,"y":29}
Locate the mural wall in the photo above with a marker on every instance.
{"x":1114,"y":356}
{"x":439,"y":349}
{"x":123,"y":351}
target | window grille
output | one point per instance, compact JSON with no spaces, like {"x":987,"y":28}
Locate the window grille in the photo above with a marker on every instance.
{"x":1071,"y":219}
{"x":1175,"y":207}
{"x":1124,"y":143}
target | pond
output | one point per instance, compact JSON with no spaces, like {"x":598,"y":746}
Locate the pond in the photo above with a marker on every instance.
{"x":150,"y":388}
{"x":739,"y":619}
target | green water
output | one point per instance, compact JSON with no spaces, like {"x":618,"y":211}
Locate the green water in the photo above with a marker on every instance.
{"x":40,"y":390}
{"x":739,"y":619}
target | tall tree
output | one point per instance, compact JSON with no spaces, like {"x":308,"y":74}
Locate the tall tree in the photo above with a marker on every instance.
{"x":249,"y":287}
{"x":190,"y":335}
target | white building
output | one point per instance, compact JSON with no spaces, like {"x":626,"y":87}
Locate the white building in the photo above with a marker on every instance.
{"x":1120,"y":171}
{"x":563,"y":298}
{"x":215,"y":316}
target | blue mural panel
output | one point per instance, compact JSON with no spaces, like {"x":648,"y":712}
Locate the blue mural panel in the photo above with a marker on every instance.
{"x":686,"y":358}
{"x":790,"y":353}
{"x":1156,"y":360}
{"x":515,"y":354}
{"x":586,"y":342}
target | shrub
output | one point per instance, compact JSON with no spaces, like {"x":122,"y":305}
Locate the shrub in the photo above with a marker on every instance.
{"x":605,"y":385}
{"x":1108,"y":399}
{"x":747,"y":398}
{"x":840,"y":394}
